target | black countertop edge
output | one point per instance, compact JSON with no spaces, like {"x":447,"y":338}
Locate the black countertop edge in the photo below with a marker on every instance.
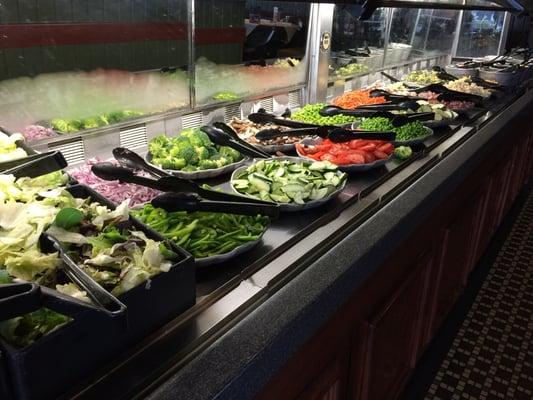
{"x":240,"y":363}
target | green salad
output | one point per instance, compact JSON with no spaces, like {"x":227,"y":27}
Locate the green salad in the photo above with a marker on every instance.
{"x":101,"y":241}
{"x":191,"y":151}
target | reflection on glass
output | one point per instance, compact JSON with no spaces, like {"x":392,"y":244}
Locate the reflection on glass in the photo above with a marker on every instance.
{"x":434,"y":33}
{"x":480,"y":33}
{"x":357,"y":46}
{"x":90,"y":64}
{"x":257,"y":46}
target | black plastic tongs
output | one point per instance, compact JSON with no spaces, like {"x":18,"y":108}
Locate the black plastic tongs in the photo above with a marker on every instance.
{"x":133,"y":161}
{"x":396,"y":119}
{"x":185,"y":196}
{"x":35,"y":165}
{"x":447,"y":94}
{"x":442,"y":74}
{"x":333,"y":133}
{"x":223,"y":135}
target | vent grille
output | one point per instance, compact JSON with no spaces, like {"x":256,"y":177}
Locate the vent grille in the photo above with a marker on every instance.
{"x":268,"y":104}
{"x":294,"y":99}
{"x":232,"y":111}
{"x":192,"y":120}
{"x":132,"y":138}
{"x":74,"y":152}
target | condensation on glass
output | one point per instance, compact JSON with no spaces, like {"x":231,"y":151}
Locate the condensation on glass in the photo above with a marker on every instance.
{"x":91,"y":63}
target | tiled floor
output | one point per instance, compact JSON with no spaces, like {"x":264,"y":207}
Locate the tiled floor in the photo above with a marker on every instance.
{"x":492,"y":356}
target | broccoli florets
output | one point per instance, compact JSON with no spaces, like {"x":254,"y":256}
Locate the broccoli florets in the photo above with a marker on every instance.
{"x":197,"y":137}
{"x":222,"y":161}
{"x":403,"y":152}
{"x":230,"y":153}
{"x":207,"y":164}
{"x":202,"y":153}
{"x":186,"y":152}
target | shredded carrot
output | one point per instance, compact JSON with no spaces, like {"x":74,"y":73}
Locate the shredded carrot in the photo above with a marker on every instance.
{"x":357,"y":98}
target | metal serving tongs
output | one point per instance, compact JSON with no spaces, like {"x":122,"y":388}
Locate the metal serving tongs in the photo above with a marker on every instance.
{"x":133,"y":161}
{"x":187,"y":197}
{"x":35,"y":165}
{"x":223,"y":138}
{"x":104,"y":300}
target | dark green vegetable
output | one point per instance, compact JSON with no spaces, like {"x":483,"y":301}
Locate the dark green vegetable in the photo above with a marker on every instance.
{"x":26,"y":329}
{"x":403,"y":152}
{"x":203,"y":234}
{"x":68,"y":218}
{"x":405,"y":132}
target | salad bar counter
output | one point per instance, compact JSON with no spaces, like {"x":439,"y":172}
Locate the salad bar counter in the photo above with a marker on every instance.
{"x":172,"y":227}
{"x":250,"y":238}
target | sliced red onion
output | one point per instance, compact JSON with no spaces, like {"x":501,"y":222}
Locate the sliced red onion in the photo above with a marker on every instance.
{"x":36,"y":132}
{"x":114,"y":190}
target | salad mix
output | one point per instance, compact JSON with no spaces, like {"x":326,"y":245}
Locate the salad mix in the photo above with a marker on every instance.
{"x":101,"y":241}
{"x":9,"y":150}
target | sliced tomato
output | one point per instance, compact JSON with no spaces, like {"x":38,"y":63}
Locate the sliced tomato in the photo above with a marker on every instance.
{"x":369,"y":157}
{"x":368,"y":147}
{"x":380,"y":155}
{"x":356,"y":158}
{"x":329,"y":157}
{"x":386,"y":148}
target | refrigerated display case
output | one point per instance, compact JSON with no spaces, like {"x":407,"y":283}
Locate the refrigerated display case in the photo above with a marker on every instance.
{"x":182,"y":65}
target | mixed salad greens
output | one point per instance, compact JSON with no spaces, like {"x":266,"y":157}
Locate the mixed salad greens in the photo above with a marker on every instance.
{"x":284,"y":181}
{"x":8,"y":147}
{"x":101,"y":241}
{"x":204,"y":234}
{"x":75,"y":125}
{"x":191,"y":151}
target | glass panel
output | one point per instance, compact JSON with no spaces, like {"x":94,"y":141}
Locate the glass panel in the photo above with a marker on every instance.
{"x":434,"y":33}
{"x":484,"y":3}
{"x":90,"y":63}
{"x":480,"y":33}
{"x":248,"y":47}
{"x":402,"y":35}
{"x":357,"y":46}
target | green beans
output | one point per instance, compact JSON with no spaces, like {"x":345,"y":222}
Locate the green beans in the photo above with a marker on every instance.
{"x":310,"y":114}
{"x":204,"y":234}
